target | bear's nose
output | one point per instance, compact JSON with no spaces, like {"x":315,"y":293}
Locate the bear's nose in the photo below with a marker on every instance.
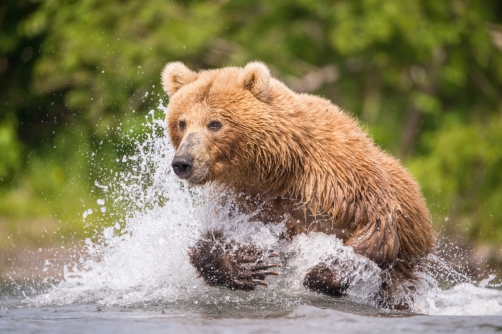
{"x":182,"y":165}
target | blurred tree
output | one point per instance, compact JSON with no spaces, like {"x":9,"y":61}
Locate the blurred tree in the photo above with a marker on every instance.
{"x":16,"y":64}
{"x":425,"y":76}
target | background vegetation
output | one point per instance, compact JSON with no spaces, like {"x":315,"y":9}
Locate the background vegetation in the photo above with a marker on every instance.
{"x":424,"y":75}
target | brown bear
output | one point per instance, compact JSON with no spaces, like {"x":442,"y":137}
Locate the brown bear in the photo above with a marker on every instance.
{"x":303,"y":161}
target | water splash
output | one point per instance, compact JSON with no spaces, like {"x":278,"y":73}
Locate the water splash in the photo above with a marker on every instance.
{"x":142,"y":259}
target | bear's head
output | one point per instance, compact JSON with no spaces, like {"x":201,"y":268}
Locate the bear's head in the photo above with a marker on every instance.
{"x":215,"y":118}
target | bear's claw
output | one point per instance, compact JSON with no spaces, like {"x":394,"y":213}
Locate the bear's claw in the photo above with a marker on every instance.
{"x":232,"y":264}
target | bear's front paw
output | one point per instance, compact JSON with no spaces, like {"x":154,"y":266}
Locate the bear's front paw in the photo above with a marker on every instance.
{"x":249,"y":268}
{"x":231,"y":264}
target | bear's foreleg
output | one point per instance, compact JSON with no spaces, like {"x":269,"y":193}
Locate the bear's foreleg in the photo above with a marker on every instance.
{"x":223,"y":262}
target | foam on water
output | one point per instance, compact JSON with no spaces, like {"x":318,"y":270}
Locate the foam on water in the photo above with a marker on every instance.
{"x":462,"y":299}
{"x":144,"y":259}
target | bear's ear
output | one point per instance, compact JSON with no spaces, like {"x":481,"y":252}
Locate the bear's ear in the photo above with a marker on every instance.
{"x":256,"y":78}
{"x":176,"y":75}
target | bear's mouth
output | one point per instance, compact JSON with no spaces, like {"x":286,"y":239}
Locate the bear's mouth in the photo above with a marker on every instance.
{"x":198,"y":176}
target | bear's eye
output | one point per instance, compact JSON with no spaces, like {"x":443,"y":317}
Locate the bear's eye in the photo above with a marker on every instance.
{"x":214,"y":125}
{"x":182,"y":125}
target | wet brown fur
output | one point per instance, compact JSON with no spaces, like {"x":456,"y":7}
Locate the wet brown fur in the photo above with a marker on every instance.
{"x":306,"y":158}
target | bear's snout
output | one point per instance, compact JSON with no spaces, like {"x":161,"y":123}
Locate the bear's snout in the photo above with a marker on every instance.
{"x":182,"y":165}
{"x":192,"y":161}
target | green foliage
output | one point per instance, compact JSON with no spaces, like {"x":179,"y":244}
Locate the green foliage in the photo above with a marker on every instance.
{"x":462,"y":177}
{"x":425,"y":75}
{"x":9,"y":146}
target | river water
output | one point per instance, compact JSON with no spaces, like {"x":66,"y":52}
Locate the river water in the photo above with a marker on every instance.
{"x":135,"y":276}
